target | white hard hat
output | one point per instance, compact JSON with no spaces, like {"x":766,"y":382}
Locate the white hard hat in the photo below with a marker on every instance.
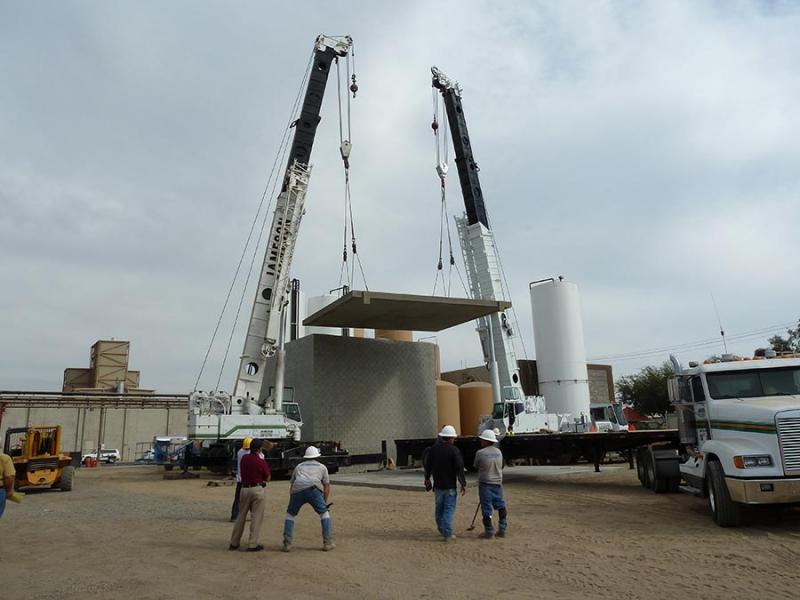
{"x":489,"y":436}
{"x":448,"y":431}
{"x":312,"y":452}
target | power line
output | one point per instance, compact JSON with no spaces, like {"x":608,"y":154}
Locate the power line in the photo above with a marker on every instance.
{"x":696,"y":344}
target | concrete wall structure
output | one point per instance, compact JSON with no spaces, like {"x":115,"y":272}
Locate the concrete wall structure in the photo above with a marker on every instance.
{"x":360,"y":391}
{"x":124,"y":428}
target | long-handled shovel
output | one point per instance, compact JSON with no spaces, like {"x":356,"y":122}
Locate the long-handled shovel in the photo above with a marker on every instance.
{"x":475,"y":516}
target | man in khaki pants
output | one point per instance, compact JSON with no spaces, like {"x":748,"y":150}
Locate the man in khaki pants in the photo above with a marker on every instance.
{"x":255,"y":475}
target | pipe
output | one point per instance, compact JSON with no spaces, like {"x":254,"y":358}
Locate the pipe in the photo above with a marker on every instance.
{"x":493,"y":374}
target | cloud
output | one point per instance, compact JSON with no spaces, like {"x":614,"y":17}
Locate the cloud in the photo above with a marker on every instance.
{"x":647,"y":151}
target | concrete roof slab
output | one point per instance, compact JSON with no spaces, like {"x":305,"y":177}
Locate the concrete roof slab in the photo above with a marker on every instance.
{"x":409,"y":312}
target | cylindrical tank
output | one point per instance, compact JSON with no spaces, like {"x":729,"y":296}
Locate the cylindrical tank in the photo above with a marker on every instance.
{"x":560,"y":352}
{"x":447,"y":407}
{"x":474,"y":402}
{"x":394,"y":334}
{"x":314,"y":304}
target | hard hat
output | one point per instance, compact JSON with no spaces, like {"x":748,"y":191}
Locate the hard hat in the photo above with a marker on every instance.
{"x":489,"y":436}
{"x":312,"y":452}
{"x":448,"y":431}
{"x":246,"y":443}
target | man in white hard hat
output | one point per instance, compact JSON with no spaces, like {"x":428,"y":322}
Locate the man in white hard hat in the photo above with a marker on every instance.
{"x":489,"y":465}
{"x":310,"y":485}
{"x":444,"y":462}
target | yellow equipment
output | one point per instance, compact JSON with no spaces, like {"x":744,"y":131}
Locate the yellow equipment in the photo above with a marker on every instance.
{"x":36,"y":452}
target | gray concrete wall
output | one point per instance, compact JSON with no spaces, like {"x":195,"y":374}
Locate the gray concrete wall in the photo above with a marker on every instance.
{"x":79,"y":427}
{"x":360,"y":391}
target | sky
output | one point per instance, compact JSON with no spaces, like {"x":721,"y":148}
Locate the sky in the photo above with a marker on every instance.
{"x":646,"y":151}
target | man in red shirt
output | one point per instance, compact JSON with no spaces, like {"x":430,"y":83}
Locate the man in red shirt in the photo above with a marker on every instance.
{"x":255,"y":475}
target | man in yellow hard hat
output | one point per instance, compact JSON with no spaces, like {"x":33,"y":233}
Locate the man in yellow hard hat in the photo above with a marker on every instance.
{"x":7,"y":477}
{"x":242,"y":451}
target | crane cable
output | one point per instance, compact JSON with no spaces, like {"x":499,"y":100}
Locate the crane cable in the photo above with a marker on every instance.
{"x":442,"y":165}
{"x":271,"y":183}
{"x":347,"y":275}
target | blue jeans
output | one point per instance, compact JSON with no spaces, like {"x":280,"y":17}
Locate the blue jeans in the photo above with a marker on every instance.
{"x":316,"y":499}
{"x":445,"y":510}
{"x":2,"y":501}
{"x":492,"y":499}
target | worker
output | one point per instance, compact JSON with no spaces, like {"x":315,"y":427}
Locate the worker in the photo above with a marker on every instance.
{"x":489,"y":465}
{"x":255,"y":475}
{"x":444,"y":462}
{"x":310,"y":485}
{"x":242,"y":451}
{"x":7,"y":476}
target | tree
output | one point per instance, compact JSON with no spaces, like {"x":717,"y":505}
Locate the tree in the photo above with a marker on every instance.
{"x":647,"y":389}
{"x":790,"y":343}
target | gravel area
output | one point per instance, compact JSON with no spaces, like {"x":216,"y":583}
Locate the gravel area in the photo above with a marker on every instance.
{"x":125,"y":532}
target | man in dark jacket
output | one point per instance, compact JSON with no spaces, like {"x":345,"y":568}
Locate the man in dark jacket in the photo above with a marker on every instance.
{"x":444,"y":462}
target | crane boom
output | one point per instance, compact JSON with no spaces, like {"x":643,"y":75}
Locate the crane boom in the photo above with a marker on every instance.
{"x":484,"y":277}
{"x":273,"y":286}
{"x":477,"y":241}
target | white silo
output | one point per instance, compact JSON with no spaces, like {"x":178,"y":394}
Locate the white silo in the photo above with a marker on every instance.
{"x":314,"y":304}
{"x":560,"y":351}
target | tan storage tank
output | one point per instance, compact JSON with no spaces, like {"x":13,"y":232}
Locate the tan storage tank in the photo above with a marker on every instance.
{"x":394,"y":334}
{"x":475,"y":401}
{"x":448,"y":411}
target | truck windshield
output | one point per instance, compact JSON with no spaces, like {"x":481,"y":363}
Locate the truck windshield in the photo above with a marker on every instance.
{"x":783,"y":381}
{"x":292,"y":411}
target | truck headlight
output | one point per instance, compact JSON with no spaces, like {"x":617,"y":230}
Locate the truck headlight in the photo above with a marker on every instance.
{"x":751,"y":461}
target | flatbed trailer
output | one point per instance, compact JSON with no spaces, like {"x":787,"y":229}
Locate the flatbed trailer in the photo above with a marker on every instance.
{"x":592,"y":446}
{"x":282,"y":457}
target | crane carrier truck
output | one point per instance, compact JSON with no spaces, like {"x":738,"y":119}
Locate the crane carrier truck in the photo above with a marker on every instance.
{"x":219,"y":421}
{"x":526,"y":428}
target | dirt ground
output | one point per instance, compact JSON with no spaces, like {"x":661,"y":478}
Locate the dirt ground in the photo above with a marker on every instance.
{"x":124,"y":532}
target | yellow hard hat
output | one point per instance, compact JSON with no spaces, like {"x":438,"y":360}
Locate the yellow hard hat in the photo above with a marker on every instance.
{"x":246,"y":443}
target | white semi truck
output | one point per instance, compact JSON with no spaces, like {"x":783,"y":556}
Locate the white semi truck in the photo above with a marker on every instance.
{"x":739,"y":427}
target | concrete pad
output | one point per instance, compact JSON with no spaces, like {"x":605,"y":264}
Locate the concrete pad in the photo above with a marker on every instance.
{"x":411,"y":479}
{"x":407,"y":312}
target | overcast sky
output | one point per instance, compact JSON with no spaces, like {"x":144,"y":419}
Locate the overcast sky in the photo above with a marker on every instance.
{"x":648,"y":152}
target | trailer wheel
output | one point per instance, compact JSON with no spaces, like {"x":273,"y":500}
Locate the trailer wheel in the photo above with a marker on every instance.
{"x":641,"y":472}
{"x":650,"y":471}
{"x":67,"y":476}
{"x":726,"y":512}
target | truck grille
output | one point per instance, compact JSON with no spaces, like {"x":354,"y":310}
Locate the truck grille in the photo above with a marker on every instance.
{"x":789,"y":436}
{"x":38,"y":465}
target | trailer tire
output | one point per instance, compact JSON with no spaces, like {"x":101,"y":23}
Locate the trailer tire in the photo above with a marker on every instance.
{"x":650,"y":471}
{"x":67,"y":477}
{"x":641,"y":471}
{"x":725,"y":511}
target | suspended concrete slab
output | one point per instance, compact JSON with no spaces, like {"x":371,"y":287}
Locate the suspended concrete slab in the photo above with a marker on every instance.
{"x":409,"y":312}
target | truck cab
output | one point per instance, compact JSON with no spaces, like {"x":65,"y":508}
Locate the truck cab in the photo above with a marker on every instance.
{"x":739,"y":425}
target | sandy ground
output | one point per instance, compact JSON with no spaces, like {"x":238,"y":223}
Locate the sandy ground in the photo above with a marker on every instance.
{"x":127,"y":533}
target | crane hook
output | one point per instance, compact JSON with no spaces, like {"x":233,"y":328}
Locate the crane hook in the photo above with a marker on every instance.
{"x":354,"y":85}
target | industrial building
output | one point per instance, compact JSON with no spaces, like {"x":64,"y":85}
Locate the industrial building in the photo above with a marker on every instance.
{"x":89,"y":410}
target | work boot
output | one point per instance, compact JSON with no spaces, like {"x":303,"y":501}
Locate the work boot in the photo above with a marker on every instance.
{"x":288,"y":534}
{"x":327,"y":535}
{"x":501,"y":533}
{"x":488,"y":529}
{"x":449,"y":538}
